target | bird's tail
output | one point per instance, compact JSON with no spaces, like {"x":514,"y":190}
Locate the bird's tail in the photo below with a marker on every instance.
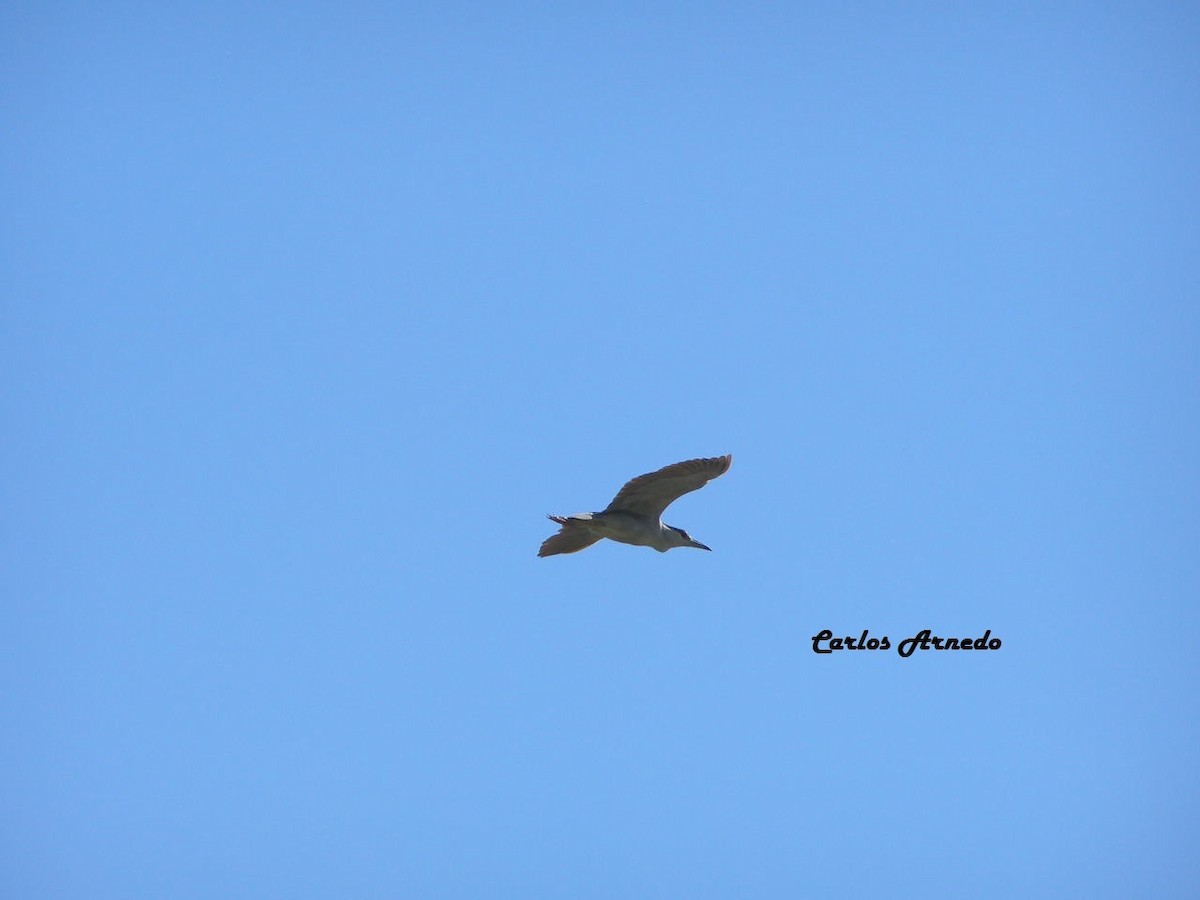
{"x":577,"y":519}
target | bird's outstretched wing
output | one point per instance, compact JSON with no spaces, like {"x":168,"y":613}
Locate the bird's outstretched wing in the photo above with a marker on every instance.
{"x":649,"y":495}
{"x":570,"y":538}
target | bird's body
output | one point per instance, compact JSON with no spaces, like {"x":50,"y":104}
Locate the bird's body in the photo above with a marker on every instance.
{"x":635,"y":514}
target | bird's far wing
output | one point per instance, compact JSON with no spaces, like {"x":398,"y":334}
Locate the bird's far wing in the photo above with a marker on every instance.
{"x":570,"y":539}
{"x":650,"y":494}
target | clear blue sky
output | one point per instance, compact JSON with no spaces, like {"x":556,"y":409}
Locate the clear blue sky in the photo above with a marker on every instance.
{"x":312,"y":311}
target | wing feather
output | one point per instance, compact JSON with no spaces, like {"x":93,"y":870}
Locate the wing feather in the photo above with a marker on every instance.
{"x":653,"y":492}
{"x":569,"y":539}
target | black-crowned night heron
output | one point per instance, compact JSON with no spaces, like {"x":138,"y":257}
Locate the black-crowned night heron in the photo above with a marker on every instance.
{"x":634,"y":516}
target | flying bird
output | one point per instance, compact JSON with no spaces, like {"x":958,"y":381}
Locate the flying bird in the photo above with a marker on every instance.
{"x":635,"y":514}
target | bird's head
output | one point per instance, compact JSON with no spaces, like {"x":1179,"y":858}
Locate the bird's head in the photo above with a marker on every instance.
{"x":685,"y":540}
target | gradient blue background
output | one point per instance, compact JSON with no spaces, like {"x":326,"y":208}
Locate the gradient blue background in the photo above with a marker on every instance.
{"x":312,"y":311}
